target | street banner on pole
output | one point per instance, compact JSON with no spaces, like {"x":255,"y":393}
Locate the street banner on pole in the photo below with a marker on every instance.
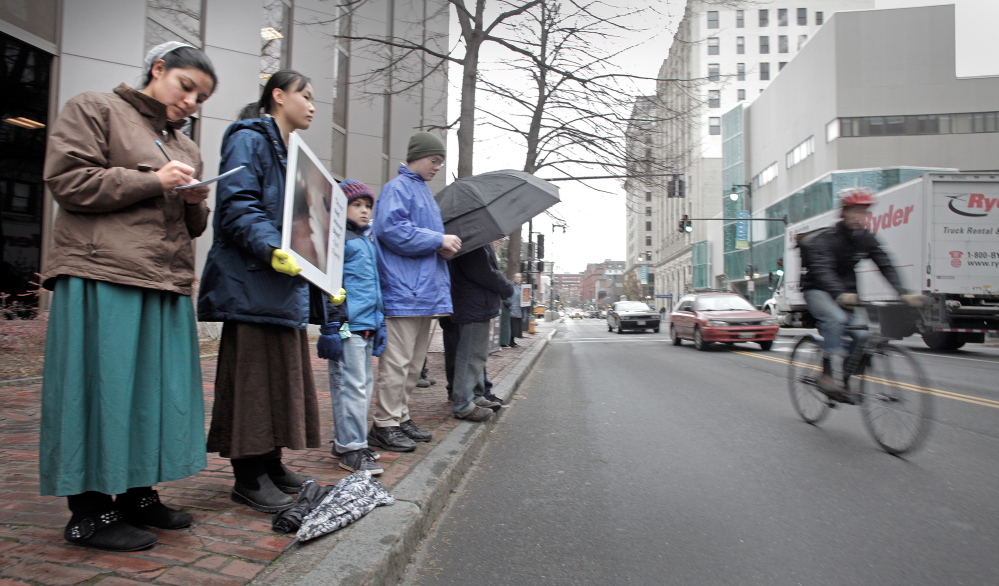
{"x":742,"y":230}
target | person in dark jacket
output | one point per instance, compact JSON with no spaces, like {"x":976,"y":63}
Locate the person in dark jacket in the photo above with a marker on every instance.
{"x":122,"y":402}
{"x":356,"y":333}
{"x":829,"y":281}
{"x":477,"y":292}
{"x":265,"y":397}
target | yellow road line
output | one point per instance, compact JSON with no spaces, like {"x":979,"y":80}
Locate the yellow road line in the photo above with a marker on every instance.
{"x":938,"y":392}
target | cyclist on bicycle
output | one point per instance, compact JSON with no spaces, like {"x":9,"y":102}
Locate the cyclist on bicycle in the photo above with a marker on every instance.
{"x":829,"y":282}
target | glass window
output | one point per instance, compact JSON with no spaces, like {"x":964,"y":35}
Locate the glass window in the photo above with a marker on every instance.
{"x":780,"y":66}
{"x":648,"y":196}
{"x":818,"y":17}
{"x":832,"y":130}
{"x":714,"y":98}
{"x":648,"y":241}
{"x":802,"y":39}
{"x":741,"y":95}
{"x":782,"y":17}
{"x":740,"y":71}
{"x":714,"y":125}
{"x":764,"y":45}
{"x":740,"y":45}
{"x":764,"y":17}
{"x":712,"y":19}
{"x":648,"y":210}
{"x":648,"y":226}
{"x":782,"y":44}
{"x":802,"y":16}
{"x":764,"y":72}
{"x":274,"y":44}
{"x":740,"y":19}
{"x":713,"y":46}
{"x":714,"y":72}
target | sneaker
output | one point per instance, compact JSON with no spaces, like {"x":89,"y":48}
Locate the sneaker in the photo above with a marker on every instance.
{"x":390,"y":438}
{"x":431,"y":380}
{"x":371,"y":453}
{"x":476,"y":414}
{"x":107,"y":530}
{"x":494,"y":399}
{"x":415,"y":433}
{"x":484,"y":402}
{"x":422,"y":383}
{"x":359,"y":460}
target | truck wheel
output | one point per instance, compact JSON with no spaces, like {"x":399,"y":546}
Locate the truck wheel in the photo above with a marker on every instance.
{"x":942,"y":341}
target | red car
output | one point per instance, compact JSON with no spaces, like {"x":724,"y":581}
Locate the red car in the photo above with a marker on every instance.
{"x":720,"y":316}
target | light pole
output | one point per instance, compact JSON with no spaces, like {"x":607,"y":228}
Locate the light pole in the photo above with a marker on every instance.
{"x":734,"y":196}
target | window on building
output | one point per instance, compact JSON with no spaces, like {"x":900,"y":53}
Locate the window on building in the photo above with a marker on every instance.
{"x":714,"y":72}
{"x":780,"y":66}
{"x":648,"y":210}
{"x":740,"y":45}
{"x":740,"y":19}
{"x":648,"y":241}
{"x":818,"y":17}
{"x":802,"y":16}
{"x":782,"y":17}
{"x":648,"y":196}
{"x":714,"y":125}
{"x":782,"y":44}
{"x":764,"y":45}
{"x":648,"y":226}
{"x":740,"y":72}
{"x":801,"y":152}
{"x":832,"y":130}
{"x":802,"y":39}
{"x":764,"y":72}
{"x":962,"y":123}
{"x":274,"y":33}
{"x":764,"y":17}
{"x":766,"y":176}
{"x":179,"y":20}
{"x":714,"y":98}
{"x":741,"y":95}
{"x":712,"y":19}
{"x":713,"y":46}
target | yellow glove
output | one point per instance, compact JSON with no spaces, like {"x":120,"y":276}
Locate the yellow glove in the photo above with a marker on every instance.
{"x":339,"y":297}
{"x":913,"y":300}
{"x":283,"y":262}
{"x":847,"y":300}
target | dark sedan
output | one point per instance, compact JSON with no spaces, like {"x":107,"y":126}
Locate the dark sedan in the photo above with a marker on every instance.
{"x":632,"y":315}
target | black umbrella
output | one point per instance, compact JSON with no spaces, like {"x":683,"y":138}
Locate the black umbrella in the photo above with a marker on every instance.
{"x":489,"y":206}
{"x":309,"y":496}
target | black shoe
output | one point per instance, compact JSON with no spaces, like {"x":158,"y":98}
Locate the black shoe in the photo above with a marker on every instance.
{"x":422,"y":383}
{"x":835,"y":392}
{"x":107,"y":530}
{"x":285,"y":480}
{"x":265,"y":498}
{"x":476,"y":414}
{"x":514,"y":345}
{"x":359,"y":460}
{"x":415,"y":433}
{"x":484,"y":402}
{"x":391,"y":439}
{"x":494,"y":399}
{"x":148,"y":510}
{"x":371,"y":453}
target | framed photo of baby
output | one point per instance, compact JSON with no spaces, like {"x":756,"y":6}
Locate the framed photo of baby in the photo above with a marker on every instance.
{"x":315,"y":212}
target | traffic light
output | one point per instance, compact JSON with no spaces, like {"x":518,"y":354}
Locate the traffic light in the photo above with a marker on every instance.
{"x":685,"y":224}
{"x":541,"y":245}
{"x":780,"y":267}
{"x":541,"y":266}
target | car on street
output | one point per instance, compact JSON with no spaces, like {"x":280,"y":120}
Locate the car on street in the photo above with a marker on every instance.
{"x":632,"y":315}
{"x":577,"y":313}
{"x":720,"y":316}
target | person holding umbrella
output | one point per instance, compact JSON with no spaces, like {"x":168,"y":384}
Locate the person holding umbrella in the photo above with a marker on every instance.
{"x":412,"y":251}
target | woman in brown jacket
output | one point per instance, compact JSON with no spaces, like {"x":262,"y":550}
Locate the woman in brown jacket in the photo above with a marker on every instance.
{"x":122,"y":402}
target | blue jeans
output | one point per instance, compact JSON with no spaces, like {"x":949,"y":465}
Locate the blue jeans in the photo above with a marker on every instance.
{"x":832,"y":322}
{"x":352,"y":383}
{"x":469,"y":365}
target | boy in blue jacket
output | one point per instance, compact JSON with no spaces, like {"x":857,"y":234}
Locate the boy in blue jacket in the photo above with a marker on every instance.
{"x":349,"y":349}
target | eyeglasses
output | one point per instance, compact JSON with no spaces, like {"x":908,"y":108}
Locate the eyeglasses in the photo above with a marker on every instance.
{"x":436,"y":162}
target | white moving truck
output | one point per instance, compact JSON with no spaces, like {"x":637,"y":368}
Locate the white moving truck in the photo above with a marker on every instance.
{"x":941,"y":231}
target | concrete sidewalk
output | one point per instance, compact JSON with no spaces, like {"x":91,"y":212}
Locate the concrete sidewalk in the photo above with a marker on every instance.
{"x":229,"y":544}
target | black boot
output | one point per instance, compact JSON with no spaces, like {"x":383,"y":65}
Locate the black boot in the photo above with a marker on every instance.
{"x":95,"y":523}
{"x":255,"y":488}
{"x":285,"y":480}
{"x":142,"y":506}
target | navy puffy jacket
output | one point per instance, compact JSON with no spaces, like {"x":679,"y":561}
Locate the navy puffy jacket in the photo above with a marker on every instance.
{"x":478,"y":288}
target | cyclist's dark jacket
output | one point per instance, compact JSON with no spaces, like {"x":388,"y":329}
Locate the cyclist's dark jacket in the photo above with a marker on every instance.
{"x":831,"y":255}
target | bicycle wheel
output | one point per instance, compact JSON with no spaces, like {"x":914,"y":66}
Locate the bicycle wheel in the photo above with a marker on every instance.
{"x":804,"y":369}
{"x":895,"y":397}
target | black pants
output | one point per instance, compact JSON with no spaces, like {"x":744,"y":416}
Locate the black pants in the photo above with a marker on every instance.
{"x":516,"y":327}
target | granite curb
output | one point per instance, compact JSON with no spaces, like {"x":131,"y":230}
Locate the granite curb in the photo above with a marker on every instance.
{"x":377,"y":548}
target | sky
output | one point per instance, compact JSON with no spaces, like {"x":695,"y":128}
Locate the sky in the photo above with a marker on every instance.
{"x":595,"y":220}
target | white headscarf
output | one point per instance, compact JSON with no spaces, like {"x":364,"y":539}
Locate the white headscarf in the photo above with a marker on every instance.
{"x":157,"y":52}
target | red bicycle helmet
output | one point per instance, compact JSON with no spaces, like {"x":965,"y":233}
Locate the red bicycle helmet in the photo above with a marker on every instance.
{"x":856,"y":196}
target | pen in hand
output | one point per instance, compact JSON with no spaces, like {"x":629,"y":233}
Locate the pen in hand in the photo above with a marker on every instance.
{"x":163,"y":150}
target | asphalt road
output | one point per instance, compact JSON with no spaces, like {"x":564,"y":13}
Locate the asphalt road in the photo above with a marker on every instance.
{"x":626,"y":460}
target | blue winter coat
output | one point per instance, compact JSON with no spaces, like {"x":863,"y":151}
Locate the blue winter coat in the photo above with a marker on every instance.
{"x":239,"y":283}
{"x":478,"y":288}
{"x":363,"y":308}
{"x":408,"y":232}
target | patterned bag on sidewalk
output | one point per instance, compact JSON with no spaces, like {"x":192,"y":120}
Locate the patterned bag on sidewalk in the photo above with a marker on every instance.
{"x":352,"y":498}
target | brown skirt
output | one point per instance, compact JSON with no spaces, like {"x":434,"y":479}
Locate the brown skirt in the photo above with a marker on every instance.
{"x":265,"y":396}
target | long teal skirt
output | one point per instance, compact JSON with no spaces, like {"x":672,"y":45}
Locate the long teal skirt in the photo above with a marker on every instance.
{"x":122,"y":402}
